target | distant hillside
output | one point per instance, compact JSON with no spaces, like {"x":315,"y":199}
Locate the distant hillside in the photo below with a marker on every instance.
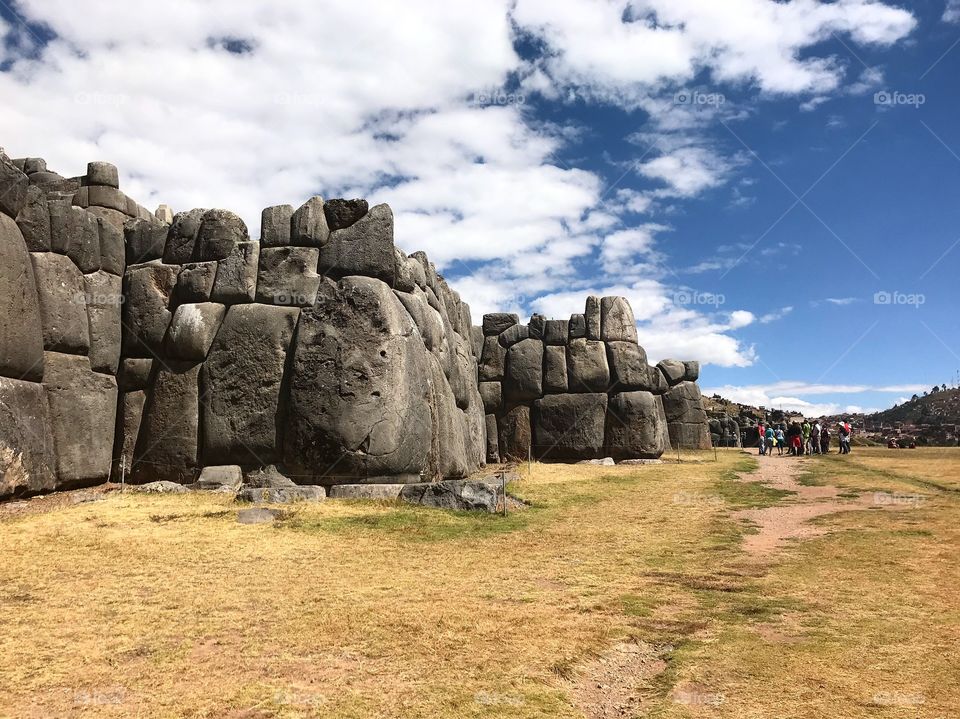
{"x":936,"y":408}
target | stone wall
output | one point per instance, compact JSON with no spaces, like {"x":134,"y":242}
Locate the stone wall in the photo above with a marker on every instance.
{"x":165,"y":343}
{"x":582,"y":388}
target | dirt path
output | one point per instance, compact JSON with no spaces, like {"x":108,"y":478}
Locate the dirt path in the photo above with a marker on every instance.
{"x":790,"y":520}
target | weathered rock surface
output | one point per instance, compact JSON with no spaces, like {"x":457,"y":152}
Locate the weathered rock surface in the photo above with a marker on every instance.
{"x":242,"y":380}
{"x":195,"y":282}
{"x":134,"y":374}
{"x":193,"y":329}
{"x":491,"y":394}
{"x":147,"y":290}
{"x":628,"y":366}
{"x":523,"y":375}
{"x":687,"y":421}
{"x":288,"y":276}
{"x":13,"y":187}
{"x":554,"y":370}
{"x":496,"y":322}
{"x":364,"y":248}
{"x":673,"y":370}
{"x":555,"y":332}
{"x":459,"y":495}
{"x":282,"y":495}
{"x":34,"y":221}
{"x":591,"y":318}
{"x":275,"y":226}
{"x":236,"y":280}
{"x":309,"y":224}
{"x":83,"y":413}
{"x":493,"y":359}
{"x":218,"y":234}
{"x":104,"y":300}
{"x":617,"y":323}
{"x":62,"y":297}
{"x":636,"y":426}
{"x":516,"y":436}
{"x":587,"y":368}
{"x":569,"y":426}
{"x":21,"y":318}
{"x":145,"y":240}
{"x":514,"y":334}
{"x":342,"y":213}
{"x":360,"y":389}
{"x":168,"y":441}
{"x":27,"y":459}
{"x":182,"y":237}
{"x":129,"y":416}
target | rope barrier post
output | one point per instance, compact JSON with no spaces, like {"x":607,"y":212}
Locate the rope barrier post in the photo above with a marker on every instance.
{"x":503,"y":488}
{"x":123,"y":474}
{"x":678,"y":450}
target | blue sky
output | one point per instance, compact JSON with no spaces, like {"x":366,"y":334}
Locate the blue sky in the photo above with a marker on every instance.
{"x":774,"y":186}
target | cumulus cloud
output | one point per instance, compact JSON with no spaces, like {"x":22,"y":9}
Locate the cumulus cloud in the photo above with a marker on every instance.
{"x":429,"y":107}
{"x":790,"y":396}
{"x":951,"y":12}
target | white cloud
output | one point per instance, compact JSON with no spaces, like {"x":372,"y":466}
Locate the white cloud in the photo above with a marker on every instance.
{"x":776,"y":315}
{"x":952,"y":11}
{"x":790,"y":396}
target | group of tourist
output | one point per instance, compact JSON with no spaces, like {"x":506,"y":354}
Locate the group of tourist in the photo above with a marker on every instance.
{"x":799,"y":439}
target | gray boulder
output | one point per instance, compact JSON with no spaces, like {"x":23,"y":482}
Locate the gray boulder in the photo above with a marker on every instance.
{"x":63,"y":310}
{"x":364,"y":248}
{"x":628,"y":366}
{"x":112,"y":248}
{"x":450,"y":444}
{"x":168,"y":441}
{"x":182,"y":237}
{"x":288,"y":276}
{"x":27,"y":459}
{"x":496,"y":322}
{"x":673,"y":370}
{"x":84,"y":247}
{"x":13,"y":187}
{"x":220,"y":476}
{"x":145,"y":240}
{"x":104,"y":300}
{"x":491,"y":394}
{"x":282,"y":495}
{"x":555,"y":332}
{"x":376,"y":492}
{"x":21,"y":318}
{"x":342,"y":213}
{"x":134,"y":374}
{"x":242,"y":381}
{"x":554,"y":370}
{"x":236,"y":281}
{"x":587,"y":368}
{"x":493,"y":359}
{"x":129,"y":416}
{"x":193,"y":329}
{"x":275,"y":226}
{"x":219,"y":233}
{"x":577,"y":327}
{"x":195,"y":282}
{"x":636,"y":426}
{"x":514,"y":334}
{"x":309,"y":224}
{"x":102,"y":173}
{"x":686,"y":418}
{"x":147,"y":289}
{"x":161,"y":487}
{"x":268,"y":477}
{"x":360,"y":387}
{"x":691,"y":371}
{"x":515,"y":432}
{"x":34,"y":221}
{"x":83,"y":413}
{"x":570,"y":426}
{"x":493,"y":440}
{"x":591,"y":316}
{"x":523,"y":374}
{"x":458,"y":495}
{"x":110,"y":197}
{"x":617,"y":323}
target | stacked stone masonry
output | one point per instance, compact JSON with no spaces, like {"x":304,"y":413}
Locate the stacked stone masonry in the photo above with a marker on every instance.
{"x":163,"y":343}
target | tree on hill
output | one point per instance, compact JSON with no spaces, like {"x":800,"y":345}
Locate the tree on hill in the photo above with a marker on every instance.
{"x":914,"y":398}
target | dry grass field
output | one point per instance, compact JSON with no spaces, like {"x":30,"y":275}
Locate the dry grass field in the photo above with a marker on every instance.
{"x":620,"y":591}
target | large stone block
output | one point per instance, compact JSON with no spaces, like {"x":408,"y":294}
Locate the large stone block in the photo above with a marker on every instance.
{"x":523,"y":373}
{"x":129,"y":417}
{"x":242,"y":380}
{"x":692,"y":370}
{"x":182,"y":237}
{"x":134,"y":374}
{"x":361,"y":387}
{"x":554,"y":370}
{"x":577,"y":327}
{"x":193,"y":329}
{"x":146,"y":240}
{"x":102,"y":173}
{"x":496,"y":322}
{"x":236,"y":280}
{"x":63,"y":307}
{"x":219,"y":233}
{"x":628,"y":366}
{"x":83,"y":413}
{"x":493,"y":439}
{"x":587,"y":368}
{"x":288,"y":276}
{"x":364,"y":248}
{"x":309,"y":224}
{"x":555,"y":332}
{"x":515,"y":432}
{"x":591,"y":317}
{"x":429,"y":322}
{"x":84,"y":247}
{"x":195,"y":282}
{"x":112,"y":247}
{"x":27,"y":458}
{"x":146,"y":316}
{"x":449,"y":454}
{"x":104,"y":299}
{"x":492,"y":396}
{"x":13,"y":187}
{"x":167,"y":447}
{"x":617,"y":323}
{"x":342,"y":213}
{"x":34,"y":221}
{"x":110,"y":197}
{"x":636,"y":426}
{"x":21,"y":318}
{"x":673,"y":370}
{"x":686,"y":418}
{"x":514,"y":334}
{"x":275,"y":226}
{"x":570,"y":426}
